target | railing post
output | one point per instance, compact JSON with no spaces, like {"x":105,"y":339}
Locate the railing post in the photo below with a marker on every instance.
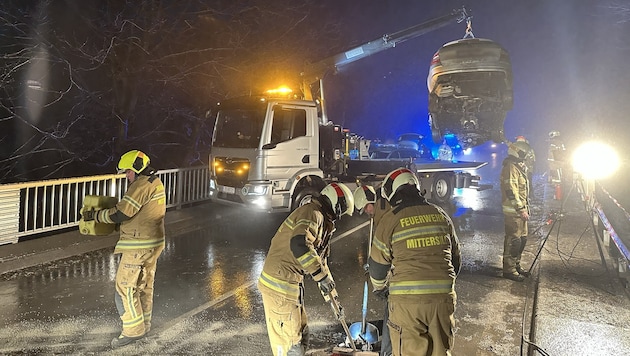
{"x":179,"y":190}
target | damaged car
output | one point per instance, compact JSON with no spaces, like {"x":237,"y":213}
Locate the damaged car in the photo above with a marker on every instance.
{"x":470,"y":91}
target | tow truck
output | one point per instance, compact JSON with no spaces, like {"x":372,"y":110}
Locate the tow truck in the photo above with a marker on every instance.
{"x":274,"y":151}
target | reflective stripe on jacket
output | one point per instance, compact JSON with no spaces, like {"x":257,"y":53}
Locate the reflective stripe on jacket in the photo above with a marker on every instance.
{"x":421,"y":241}
{"x":144,"y":203}
{"x":283,"y":271}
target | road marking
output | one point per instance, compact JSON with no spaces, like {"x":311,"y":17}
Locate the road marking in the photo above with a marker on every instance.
{"x":243,"y":287}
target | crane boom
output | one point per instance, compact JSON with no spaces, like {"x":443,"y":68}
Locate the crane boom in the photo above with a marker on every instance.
{"x":316,"y":71}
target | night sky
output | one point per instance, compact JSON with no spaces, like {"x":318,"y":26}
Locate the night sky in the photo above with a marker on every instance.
{"x":569,"y":60}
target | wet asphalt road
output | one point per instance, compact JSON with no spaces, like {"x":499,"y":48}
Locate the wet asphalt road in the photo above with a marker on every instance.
{"x":206,"y":300}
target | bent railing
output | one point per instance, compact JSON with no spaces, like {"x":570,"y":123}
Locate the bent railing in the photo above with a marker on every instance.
{"x":31,"y":208}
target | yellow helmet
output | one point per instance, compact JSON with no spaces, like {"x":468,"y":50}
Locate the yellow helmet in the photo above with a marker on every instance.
{"x":364,"y":195}
{"x":135,"y":160}
{"x":340,"y":198}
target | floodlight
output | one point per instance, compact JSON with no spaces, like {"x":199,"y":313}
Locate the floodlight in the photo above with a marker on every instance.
{"x":595,"y":160}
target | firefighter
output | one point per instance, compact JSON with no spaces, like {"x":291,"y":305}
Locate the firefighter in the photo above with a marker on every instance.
{"x":515,"y":204}
{"x":300,"y":247}
{"x":140,"y":214}
{"x":366,"y":199}
{"x":420,"y":239}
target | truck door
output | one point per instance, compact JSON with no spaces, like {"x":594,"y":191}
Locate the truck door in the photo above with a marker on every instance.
{"x":291,"y":143}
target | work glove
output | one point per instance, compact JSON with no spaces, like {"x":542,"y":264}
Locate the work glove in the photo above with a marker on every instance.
{"x":381,"y":293}
{"x":326,"y":285}
{"x":88,"y":215}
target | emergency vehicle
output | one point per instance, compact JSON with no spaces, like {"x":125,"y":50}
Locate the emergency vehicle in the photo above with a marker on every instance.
{"x":276,"y":150}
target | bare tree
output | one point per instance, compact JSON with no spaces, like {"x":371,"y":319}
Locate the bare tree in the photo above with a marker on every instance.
{"x":84,"y":81}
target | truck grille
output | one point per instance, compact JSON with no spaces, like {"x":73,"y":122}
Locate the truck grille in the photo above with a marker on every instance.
{"x":231,"y":172}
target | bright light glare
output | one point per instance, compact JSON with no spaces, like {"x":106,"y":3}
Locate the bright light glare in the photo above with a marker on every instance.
{"x":595,"y":160}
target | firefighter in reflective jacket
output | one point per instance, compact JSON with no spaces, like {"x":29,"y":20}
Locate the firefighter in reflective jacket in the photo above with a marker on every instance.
{"x":140,"y":214}
{"x":419,"y":238}
{"x":300,"y":247}
{"x":515,"y":204}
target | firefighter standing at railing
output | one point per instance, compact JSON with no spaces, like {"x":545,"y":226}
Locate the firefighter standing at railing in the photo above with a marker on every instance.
{"x":300,"y":247}
{"x":420,"y":239}
{"x":515,"y":205}
{"x":140,"y":214}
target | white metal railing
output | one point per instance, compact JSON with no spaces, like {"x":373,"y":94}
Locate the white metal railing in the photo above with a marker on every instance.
{"x":35,"y":207}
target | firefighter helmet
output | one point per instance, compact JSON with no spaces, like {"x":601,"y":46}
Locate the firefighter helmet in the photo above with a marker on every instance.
{"x":364,"y":195}
{"x":397,"y":178}
{"x":340,"y":198}
{"x":135,"y":160}
{"x":521,"y":139}
{"x":520,"y":150}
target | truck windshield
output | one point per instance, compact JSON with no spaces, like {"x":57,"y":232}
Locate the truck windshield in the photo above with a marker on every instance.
{"x":238,"y":128}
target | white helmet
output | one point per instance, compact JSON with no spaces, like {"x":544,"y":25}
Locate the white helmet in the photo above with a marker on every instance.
{"x":397,"y":178}
{"x":364,"y":195}
{"x":340,"y":198}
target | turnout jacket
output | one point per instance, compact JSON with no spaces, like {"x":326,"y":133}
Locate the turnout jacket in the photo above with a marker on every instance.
{"x":421,"y":241}
{"x":300,"y":246}
{"x":140,"y":214}
{"x":514,"y":186}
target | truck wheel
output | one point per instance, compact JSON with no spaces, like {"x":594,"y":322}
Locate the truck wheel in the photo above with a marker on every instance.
{"x":442,"y":188}
{"x":303,"y":196}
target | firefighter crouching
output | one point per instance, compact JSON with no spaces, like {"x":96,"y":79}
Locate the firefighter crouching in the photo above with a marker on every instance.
{"x":515,"y":204}
{"x":140,"y":214}
{"x":419,"y":238}
{"x":300,"y":247}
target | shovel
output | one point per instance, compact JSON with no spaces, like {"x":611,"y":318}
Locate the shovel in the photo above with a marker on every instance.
{"x":364,"y":331}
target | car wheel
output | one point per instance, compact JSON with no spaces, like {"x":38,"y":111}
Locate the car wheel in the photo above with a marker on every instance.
{"x":442,"y":188}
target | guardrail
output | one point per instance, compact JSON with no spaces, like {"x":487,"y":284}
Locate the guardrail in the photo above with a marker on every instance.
{"x":31,"y":208}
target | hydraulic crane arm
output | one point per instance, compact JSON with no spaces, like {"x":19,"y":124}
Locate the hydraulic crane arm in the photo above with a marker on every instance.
{"x":316,"y":71}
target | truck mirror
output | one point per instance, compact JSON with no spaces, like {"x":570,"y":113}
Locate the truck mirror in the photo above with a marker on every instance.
{"x":269,"y":146}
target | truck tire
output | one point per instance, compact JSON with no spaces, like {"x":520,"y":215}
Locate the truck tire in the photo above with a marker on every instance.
{"x":442,"y":188}
{"x":303,"y":196}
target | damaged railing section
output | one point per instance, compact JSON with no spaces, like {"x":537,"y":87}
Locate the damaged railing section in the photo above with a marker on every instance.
{"x":31,"y":208}
{"x":614,"y":222}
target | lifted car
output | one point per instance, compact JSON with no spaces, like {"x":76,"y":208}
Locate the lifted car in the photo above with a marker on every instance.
{"x":470,"y":91}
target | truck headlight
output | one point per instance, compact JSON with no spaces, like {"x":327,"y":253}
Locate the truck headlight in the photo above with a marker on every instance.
{"x":254,"y":190}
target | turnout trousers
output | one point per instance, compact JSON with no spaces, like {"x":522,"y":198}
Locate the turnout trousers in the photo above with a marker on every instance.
{"x":286,"y":323}
{"x":514,"y":244}
{"x":424,"y":326}
{"x":134,"y":290}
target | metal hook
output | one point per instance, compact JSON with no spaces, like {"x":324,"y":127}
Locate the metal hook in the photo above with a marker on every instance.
{"x":469,"y":32}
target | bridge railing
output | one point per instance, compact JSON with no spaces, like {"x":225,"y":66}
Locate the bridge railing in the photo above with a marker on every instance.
{"x":31,"y":208}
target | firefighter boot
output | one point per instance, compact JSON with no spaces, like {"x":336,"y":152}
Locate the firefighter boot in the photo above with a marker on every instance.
{"x":123,"y":340}
{"x":519,"y":269}
{"x":514,"y":276}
